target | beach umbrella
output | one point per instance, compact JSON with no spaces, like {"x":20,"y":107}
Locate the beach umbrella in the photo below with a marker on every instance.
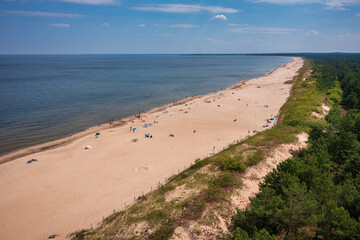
{"x":88,"y":147}
{"x":147,"y":125}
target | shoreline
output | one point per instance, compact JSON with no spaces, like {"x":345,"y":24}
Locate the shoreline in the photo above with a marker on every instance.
{"x":71,"y":188}
{"x":63,"y":141}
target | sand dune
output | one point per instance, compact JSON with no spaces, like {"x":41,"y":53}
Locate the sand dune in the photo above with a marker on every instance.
{"x":70,"y":188}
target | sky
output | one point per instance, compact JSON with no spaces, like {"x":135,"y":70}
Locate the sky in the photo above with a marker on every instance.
{"x":175,"y":26}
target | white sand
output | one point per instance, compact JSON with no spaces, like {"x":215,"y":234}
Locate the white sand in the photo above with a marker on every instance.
{"x":70,"y":187}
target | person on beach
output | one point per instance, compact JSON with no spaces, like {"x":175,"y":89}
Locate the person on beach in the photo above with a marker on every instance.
{"x":130,"y":128}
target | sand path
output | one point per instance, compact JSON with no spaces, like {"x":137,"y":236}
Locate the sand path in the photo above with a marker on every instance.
{"x":70,"y":188}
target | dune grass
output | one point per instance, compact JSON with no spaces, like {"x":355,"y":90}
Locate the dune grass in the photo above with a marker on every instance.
{"x":212,"y":179}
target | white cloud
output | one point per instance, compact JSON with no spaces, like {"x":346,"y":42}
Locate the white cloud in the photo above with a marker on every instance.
{"x":184,"y":8}
{"x":314,"y":33}
{"x":61,"y":25}
{"x":165,"y":35}
{"x":183,"y":26}
{"x":355,"y":36}
{"x":215,"y":41}
{"x":264,"y":30}
{"x":330,"y":4}
{"x":287,"y":1}
{"x":142,"y":25}
{"x":105,"y":24}
{"x":41,"y":14}
{"x":92,"y":2}
{"x":220,"y":17}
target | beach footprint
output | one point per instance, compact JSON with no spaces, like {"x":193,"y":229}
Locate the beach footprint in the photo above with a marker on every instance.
{"x":141,"y":169}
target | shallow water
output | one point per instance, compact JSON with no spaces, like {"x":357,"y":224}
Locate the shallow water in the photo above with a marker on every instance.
{"x":45,"y":97}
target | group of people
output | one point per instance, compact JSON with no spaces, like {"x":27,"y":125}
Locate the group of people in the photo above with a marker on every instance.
{"x":132,"y":129}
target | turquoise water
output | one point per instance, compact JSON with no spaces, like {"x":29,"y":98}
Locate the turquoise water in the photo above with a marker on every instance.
{"x":45,"y":97}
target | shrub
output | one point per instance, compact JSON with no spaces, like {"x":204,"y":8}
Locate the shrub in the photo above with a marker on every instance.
{"x":232,"y":164}
{"x":164,"y":232}
{"x":255,"y":158}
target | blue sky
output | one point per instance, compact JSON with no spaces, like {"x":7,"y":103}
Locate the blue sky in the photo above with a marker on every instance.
{"x":174,"y":26}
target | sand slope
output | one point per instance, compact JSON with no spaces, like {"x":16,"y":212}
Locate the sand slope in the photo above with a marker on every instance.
{"x":70,"y":187}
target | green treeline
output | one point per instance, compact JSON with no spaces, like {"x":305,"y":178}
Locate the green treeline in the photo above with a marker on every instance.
{"x":344,"y":68}
{"x":315,"y":194}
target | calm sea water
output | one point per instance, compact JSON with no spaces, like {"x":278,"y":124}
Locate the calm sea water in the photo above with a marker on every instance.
{"x":45,"y":97}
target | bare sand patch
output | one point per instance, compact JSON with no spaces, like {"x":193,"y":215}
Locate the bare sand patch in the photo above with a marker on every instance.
{"x":256,"y":174}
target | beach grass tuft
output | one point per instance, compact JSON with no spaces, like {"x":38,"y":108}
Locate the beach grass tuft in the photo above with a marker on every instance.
{"x":212,"y":180}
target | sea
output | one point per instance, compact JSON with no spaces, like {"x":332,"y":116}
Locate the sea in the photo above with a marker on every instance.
{"x":47,"y":97}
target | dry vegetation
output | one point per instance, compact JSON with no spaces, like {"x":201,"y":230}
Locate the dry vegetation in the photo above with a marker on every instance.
{"x":198,"y":203}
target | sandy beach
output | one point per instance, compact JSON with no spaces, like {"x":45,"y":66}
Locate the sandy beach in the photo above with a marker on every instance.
{"x":71,"y":188}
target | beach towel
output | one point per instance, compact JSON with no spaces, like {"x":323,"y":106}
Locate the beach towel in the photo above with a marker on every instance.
{"x":31,"y":160}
